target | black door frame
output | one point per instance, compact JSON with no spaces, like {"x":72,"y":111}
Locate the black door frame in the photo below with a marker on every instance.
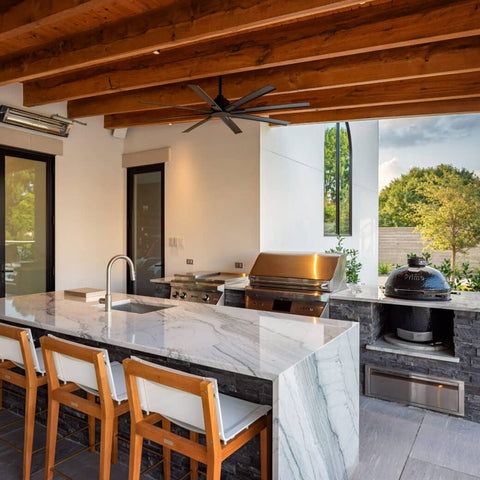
{"x":131,"y":172}
{"x":49,"y":160}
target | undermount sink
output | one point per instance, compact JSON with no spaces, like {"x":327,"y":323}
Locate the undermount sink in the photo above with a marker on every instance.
{"x":133,"y":307}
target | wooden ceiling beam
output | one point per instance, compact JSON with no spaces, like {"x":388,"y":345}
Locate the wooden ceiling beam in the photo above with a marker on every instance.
{"x":407,"y":91}
{"x":26,"y":15}
{"x":183,"y":23}
{"x":454,"y":56}
{"x":439,"y":107}
{"x":386,"y":26}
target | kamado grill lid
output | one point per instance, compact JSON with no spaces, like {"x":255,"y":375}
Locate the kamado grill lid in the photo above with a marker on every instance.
{"x":417,"y":281}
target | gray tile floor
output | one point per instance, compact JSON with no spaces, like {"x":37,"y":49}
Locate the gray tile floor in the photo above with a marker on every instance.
{"x":407,"y":443}
{"x":396,"y":443}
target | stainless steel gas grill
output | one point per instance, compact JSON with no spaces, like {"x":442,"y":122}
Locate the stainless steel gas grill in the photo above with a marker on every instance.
{"x":297,"y":283}
{"x":201,"y":287}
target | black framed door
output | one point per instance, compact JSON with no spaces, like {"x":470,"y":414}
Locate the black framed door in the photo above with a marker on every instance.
{"x":146,"y":226}
{"x":26,"y":222}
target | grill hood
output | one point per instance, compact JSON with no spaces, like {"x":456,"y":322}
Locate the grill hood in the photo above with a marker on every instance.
{"x":320,"y":271}
{"x":416,"y":281}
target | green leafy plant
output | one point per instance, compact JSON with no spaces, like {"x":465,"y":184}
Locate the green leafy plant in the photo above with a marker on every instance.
{"x":463,"y":278}
{"x":384,"y":268}
{"x":353,"y":266}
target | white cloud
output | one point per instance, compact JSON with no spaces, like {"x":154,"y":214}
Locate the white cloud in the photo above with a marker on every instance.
{"x":390,"y":170}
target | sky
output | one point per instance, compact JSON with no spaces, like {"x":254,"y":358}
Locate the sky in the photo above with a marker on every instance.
{"x":427,"y":142}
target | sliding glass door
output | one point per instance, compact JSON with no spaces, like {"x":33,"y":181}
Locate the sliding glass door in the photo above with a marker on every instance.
{"x":26,"y":222}
{"x":145,"y":224}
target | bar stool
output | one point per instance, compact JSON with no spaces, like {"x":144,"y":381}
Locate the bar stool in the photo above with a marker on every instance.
{"x":194,"y":403}
{"x":89,"y":369}
{"x":18,"y":350}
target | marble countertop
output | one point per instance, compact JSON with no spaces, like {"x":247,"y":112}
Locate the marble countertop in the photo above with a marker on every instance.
{"x":466,"y":301}
{"x":256,"y":343}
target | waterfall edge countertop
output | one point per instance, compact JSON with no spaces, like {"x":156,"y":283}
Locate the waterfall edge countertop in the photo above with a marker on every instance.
{"x":463,"y":300}
{"x":245,"y":341}
{"x":313,"y":364}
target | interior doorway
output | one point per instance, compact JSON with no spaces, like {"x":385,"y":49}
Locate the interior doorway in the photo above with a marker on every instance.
{"x":145,"y":226}
{"x":26,"y":222}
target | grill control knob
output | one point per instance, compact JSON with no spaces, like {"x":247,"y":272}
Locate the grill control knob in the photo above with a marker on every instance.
{"x":205,"y":298}
{"x":175,"y":295}
{"x":183,"y":295}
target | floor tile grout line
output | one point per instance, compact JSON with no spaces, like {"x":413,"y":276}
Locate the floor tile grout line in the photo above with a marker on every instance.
{"x":412,"y":446}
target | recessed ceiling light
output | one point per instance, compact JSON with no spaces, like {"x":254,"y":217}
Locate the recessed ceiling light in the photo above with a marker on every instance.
{"x":156,"y":52}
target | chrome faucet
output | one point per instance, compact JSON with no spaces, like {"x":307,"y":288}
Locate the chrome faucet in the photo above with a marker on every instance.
{"x":108,"y":294}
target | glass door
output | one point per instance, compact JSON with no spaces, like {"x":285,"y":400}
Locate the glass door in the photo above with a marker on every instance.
{"x":145,"y":225}
{"x":26,"y":215}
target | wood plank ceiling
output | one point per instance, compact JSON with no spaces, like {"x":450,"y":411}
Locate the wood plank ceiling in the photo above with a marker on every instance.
{"x":350,"y":59}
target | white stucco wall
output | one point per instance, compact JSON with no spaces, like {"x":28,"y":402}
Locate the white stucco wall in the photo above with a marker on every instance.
{"x":89,"y":198}
{"x":291,"y":202}
{"x":211,"y":193}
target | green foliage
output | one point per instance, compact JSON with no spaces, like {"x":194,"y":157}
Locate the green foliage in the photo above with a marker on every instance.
{"x":330,"y":190}
{"x":384,"y":268}
{"x":19,"y":204}
{"x":398,"y":200}
{"x":449,"y":219}
{"x":353,"y":266}
{"x":463,"y":278}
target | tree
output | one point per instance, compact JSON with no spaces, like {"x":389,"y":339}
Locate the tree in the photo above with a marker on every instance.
{"x":330,"y":187}
{"x":449,"y":215}
{"x":19,"y":204}
{"x":398,"y":200}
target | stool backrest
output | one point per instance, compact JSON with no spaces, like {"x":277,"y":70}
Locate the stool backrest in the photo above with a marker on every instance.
{"x":167,"y":397}
{"x":11,"y":347}
{"x":78,"y":368}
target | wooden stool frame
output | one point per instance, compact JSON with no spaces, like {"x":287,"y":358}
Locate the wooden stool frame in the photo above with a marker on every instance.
{"x":30,"y":382}
{"x":107,"y":411}
{"x":213,"y":453}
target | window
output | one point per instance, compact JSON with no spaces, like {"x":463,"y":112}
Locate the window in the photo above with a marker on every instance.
{"x":338,"y":180}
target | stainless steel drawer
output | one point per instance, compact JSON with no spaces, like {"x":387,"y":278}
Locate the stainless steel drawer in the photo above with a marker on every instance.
{"x":436,"y":393}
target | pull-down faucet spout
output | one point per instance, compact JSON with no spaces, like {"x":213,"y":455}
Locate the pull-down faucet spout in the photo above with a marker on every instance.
{"x":108,"y":295}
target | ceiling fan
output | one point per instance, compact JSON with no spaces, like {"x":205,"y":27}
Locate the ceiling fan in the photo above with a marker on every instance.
{"x":221,"y":108}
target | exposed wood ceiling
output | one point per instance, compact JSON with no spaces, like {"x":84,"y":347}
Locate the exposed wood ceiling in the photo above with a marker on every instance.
{"x":350,"y":59}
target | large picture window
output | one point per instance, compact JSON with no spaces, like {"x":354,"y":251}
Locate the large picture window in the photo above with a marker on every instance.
{"x":338,"y":180}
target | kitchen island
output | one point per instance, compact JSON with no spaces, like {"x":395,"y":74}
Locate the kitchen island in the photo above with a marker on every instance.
{"x":312,"y":364}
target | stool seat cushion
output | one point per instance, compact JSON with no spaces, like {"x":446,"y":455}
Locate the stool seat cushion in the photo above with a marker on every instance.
{"x":237,"y":415}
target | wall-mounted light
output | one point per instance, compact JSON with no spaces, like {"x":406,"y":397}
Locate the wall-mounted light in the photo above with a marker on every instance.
{"x":34,"y":121}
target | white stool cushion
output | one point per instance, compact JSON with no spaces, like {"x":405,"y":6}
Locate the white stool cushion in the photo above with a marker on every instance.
{"x":237,"y":415}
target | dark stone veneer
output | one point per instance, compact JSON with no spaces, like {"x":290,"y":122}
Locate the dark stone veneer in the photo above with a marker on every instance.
{"x":466,"y":339}
{"x":242,"y":465}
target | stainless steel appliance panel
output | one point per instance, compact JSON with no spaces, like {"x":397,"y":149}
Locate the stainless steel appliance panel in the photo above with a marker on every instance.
{"x":436,"y":393}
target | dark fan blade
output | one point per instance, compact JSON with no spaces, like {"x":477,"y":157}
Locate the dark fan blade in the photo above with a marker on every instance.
{"x":210,"y":101}
{"x":259,"y":119}
{"x":205,"y":120}
{"x":272,"y":107}
{"x":251,"y":96}
{"x":203,"y":110}
{"x":231,"y":125}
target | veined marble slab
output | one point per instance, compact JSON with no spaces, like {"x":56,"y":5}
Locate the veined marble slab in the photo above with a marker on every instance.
{"x":466,"y":301}
{"x":312,"y":362}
